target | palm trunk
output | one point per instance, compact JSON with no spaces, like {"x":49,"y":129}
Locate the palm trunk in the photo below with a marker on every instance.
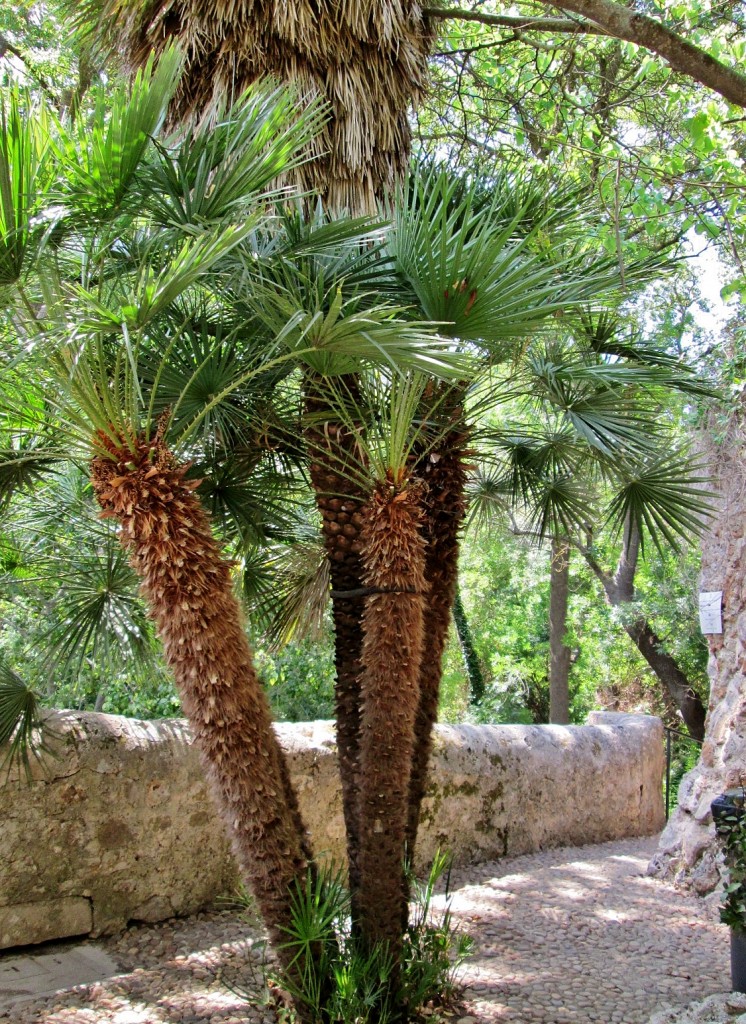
{"x":559,"y":653}
{"x":334,"y":470}
{"x":188,"y":587}
{"x":394,"y":560}
{"x":444,"y":508}
{"x":468,"y":653}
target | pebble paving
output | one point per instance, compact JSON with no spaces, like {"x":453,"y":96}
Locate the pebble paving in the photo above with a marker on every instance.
{"x":572,"y":936}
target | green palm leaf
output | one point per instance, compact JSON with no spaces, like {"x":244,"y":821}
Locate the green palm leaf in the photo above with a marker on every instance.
{"x":493,"y":273}
{"x":667,"y":496}
{"x":333,"y":335}
{"x":216,"y":172}
{"x":24,"y":181}
{"x":20,"y":721}
{"x":101,"y":156}
{"x":24,"y":465}
{"x":295,"y":605}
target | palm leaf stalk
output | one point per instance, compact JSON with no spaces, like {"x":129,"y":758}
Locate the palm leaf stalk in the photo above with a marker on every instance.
{"x":393,"y":554}
{"x":187,"y":584}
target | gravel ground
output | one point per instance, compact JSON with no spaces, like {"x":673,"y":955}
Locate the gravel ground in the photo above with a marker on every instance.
{"x":569,"y":936}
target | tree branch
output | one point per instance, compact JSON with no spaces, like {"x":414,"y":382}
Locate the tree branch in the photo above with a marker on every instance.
{"x":512,"y":21}
{"x":605,"y":17}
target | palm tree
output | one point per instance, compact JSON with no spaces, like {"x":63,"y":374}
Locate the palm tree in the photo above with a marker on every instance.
{"x":163,"y":308}
{"x":493,"y":285}
{"x":602,"y":455}
{"x":116,"y":282}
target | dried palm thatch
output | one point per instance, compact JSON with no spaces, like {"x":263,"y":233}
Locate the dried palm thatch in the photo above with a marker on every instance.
{"x":366,"y":58}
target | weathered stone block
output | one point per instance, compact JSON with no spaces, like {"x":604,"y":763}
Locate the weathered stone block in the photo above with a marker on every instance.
{"x":27,"y":923}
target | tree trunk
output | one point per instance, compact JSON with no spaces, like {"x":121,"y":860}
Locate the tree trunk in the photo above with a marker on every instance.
{"x":335,"y":473}
{"x":444,"y":508}
{"x":667,"y":670}
{"x":394,"y":559}
{"x":622,"y":22}
{"x":559,"y":653}
{"x":188,"y":587}
{"x":468,"y":653}
{"x":620,"y":590}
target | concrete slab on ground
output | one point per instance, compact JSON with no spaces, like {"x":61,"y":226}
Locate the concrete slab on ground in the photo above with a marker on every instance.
{"x":33,"y":975}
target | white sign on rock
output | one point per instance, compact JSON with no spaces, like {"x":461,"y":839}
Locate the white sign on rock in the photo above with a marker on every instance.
{"x":710,"y":611}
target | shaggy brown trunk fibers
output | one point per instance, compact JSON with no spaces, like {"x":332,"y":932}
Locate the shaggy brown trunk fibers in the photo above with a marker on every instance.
{"x":334,"y":465}
{"x":444,"y":506}
{"x":394,"y":569}
{"x":188,"y":587}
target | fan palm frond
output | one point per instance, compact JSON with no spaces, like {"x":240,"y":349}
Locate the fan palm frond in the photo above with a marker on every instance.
{"x":217,"y":171}
{"x":20,"y":721}
{"x":333,"y":335}
{"x":482,"y":273}
{"x":668,"y":496}
{"x":294,"y":603}
{"x":102,"y":155}
{"x":24,"y":465}
{"x":100,"y":614}
{"x":560,"y":506}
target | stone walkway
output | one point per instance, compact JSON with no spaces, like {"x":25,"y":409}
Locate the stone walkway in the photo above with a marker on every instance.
{"x":568,"y":936}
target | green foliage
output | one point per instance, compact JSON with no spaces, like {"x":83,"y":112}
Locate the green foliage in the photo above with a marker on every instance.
{"x":505,"y":588}
{"x":19,"y":720}
{"x":331,"y":978}
{"x":299,"y":678}
{"x":732,"y":834}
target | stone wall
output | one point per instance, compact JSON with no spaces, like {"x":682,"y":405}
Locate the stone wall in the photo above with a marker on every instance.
{"x":120,"y":826}
{"x":688,"y":852}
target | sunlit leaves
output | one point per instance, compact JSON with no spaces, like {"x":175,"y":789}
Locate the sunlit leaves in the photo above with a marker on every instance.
{"x":24,"y":178}
{"x":493,"y":270}
{"x":210,"y":175}
{"x":103,"y":154}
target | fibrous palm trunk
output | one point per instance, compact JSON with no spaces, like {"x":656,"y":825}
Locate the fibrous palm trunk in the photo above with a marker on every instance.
{"x":188,"y":587}
{"x":444,"y":506}
{"x":335,"y":476}
{"x":394,"y":570}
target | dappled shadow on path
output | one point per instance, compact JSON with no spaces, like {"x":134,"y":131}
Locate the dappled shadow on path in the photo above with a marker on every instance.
{"x":582,"y":936}
{"x":562,"y":937}
{"x":201,"y":970}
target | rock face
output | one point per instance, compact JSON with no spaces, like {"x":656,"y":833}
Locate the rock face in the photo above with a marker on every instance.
{"x":119,"y":826}
{"x":688,"y":852}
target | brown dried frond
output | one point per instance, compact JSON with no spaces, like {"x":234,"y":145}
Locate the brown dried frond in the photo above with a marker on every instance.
{"x":367,"y":59}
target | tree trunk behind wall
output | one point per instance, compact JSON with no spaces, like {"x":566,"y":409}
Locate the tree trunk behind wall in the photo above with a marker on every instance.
{"x":620,"y":591}
{"x":559,"y":653}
